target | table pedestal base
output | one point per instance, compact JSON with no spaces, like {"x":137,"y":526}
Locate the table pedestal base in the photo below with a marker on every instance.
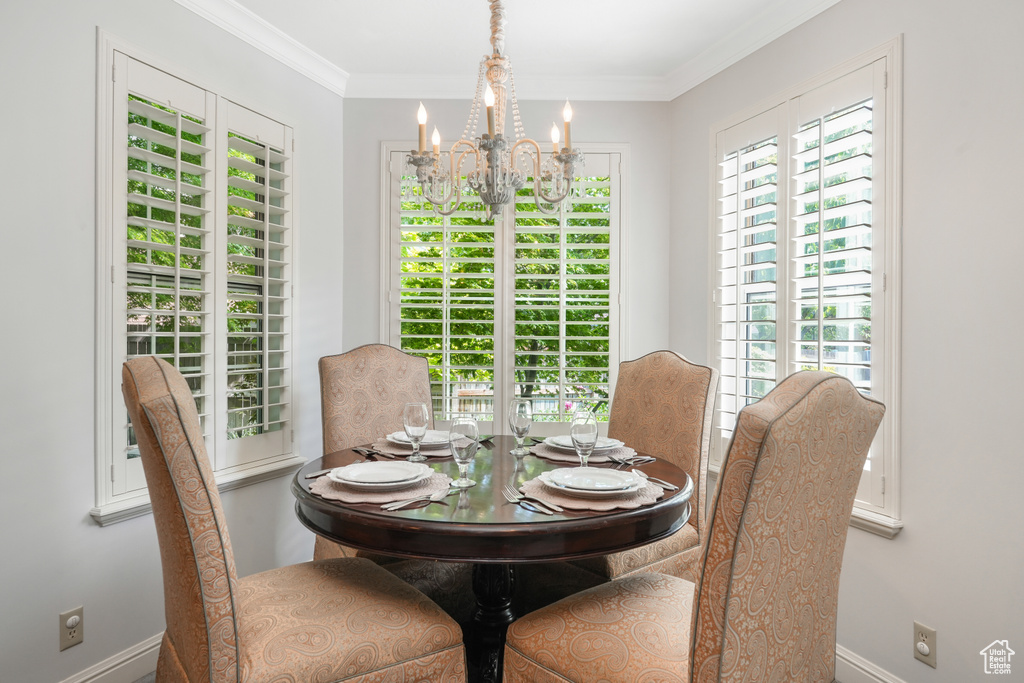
{"x":493,"y":585}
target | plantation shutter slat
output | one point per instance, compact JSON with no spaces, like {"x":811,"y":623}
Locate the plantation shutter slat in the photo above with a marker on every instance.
{"x":258,"y":283}
{"x":564,"y":279}
{"x":168,"y":284}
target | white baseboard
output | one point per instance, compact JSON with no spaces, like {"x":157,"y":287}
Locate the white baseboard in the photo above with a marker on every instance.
{"x":852,"y":668}
{"x":137,"y":661}
{"x":124,"y":667}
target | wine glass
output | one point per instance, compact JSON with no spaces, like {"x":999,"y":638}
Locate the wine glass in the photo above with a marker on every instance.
{"x":584,"y":435}
{"x":464,"y":439}
{"x":415,"y":418}
{"x":520,"y":416}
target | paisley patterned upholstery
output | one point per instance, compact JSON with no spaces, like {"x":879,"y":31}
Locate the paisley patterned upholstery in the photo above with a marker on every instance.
{"x":318,"y":621}
{"x":663,"y":405}
{"x":633,"y":630}
{"x":764,"y":608}
{"x":362,"y":394}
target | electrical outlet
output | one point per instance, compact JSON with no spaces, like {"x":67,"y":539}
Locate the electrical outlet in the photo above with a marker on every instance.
{"x":925,"y":644}
{"x":72,"y":628}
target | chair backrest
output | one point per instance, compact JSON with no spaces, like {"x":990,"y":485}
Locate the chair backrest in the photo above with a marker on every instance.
{"x":198,"y":565}
{"x":664,"y":405}
{"x":363,"y":391}
{"x":766,"y":602}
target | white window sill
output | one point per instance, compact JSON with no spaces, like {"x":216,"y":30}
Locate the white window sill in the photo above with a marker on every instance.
{"x":136,"y":506}
{"x":875,"y":523}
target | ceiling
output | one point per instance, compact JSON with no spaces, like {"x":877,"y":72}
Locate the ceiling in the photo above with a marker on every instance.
{"x":581,"y":49}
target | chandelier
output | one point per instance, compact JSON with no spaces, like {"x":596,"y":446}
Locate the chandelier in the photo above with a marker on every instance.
{"x":490,"y":165}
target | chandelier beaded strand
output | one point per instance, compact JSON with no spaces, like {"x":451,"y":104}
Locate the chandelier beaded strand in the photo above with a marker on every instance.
{"x":498,"y":170}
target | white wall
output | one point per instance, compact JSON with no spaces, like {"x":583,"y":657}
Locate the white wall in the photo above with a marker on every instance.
{"x":54,"y":556}
{"x":957,"y":565}
{"x":642,"y":125}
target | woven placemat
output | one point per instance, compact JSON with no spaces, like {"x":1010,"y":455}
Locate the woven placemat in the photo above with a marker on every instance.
{"x":325,"y":487}
{"x":629,"y":501}
{"x":542,"y":450}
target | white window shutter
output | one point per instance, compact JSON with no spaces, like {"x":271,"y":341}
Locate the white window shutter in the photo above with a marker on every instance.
{"x":445,"y":279}
{"x":167,"y":269}
{"x":748,"y":269}
{"x":527,"y":303}
{"x":565,"y":295}
{"x":257,"y":285}
{"x":799,"y":241}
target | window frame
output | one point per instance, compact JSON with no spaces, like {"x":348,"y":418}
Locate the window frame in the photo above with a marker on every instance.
{"x":112,"y":505}
{"x":885,"y":519}
{"x":504,"y":282}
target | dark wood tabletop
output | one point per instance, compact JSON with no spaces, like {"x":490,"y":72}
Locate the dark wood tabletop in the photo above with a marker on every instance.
{"x":480,"y":526}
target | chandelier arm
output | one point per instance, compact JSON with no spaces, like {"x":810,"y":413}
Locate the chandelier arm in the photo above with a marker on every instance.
{"x":527,"y":142}
{"x":538,"y":192}
{"x":552,"y":200}
{"x":456,"y":174}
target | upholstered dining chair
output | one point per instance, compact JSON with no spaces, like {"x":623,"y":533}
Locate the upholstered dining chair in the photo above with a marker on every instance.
{"x":362,"y":393}
{"x":764,"y":608}
{"x":342,"y":619}
{"x":663,"y":406}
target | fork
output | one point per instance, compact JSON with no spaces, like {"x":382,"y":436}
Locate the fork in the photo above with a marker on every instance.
{"x":370,"y":452}
{"x":514,"y":496}
{"x":626,"y":462}
{"x":435,"y":497}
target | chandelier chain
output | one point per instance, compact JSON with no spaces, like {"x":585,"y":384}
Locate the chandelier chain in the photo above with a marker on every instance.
{"x":517,"y":123}
{"x":469,"y":132}
{"x":498,"y":27}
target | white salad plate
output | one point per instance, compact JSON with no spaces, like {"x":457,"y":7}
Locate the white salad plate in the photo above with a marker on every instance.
{"x":432,"y":439}
{"x":380,"y":476}
{"x":564,"y":443}
{"x":591,"y":482}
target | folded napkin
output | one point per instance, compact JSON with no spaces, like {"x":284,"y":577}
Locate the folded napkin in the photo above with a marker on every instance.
{"x":628,"y":501}
{"x":385,"y":446}
{"x":325,"y":487}
{"x":542,"y":450}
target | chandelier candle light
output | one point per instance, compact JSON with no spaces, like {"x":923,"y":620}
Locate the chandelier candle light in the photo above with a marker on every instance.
{"x":497,"y":171}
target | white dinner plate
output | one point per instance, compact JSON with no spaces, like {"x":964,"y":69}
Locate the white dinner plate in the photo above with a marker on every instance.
{"x":432,"y":439}
{"x":564,"y":443}
{"x":593,"y":479}
{"x":380,"y":476}
{"x":545,"y":478}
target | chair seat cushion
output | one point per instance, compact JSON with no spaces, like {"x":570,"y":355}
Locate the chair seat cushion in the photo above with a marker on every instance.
{"x":661,"y":556}
{"x":340,"y":620}
{"x":632,"y":630}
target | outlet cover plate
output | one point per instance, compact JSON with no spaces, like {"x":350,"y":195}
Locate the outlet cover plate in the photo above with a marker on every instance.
{"x":926,"y":635}
{"x":72,"y":635}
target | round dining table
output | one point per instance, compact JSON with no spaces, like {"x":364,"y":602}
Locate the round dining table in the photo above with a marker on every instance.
{"x":481,"y":527}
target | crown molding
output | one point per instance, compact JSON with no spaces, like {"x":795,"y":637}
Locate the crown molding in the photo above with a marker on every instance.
{"x":243,"y":24}
{"x":593,"y":88}
{"x":750,"y":38}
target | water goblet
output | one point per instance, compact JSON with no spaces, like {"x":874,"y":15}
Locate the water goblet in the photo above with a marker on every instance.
{"x":584,"y":435}
{"x":415,"y":418}
{"x":464,"y":439}
{"x":520,"y":416}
